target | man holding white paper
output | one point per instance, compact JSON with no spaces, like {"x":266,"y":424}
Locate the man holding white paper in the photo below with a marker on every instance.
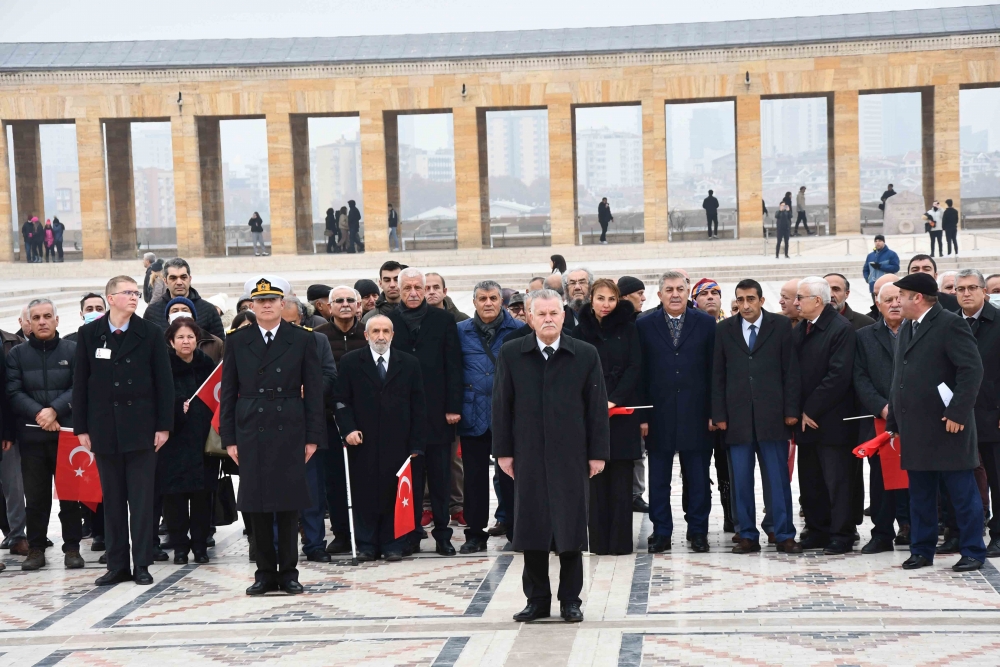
{"x":936,"y":347}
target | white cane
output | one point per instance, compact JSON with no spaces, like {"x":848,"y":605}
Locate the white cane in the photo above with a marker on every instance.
{"x":350,"y":507}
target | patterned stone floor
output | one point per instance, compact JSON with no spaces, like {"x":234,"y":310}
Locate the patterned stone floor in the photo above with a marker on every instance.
{"x":678,"y":608}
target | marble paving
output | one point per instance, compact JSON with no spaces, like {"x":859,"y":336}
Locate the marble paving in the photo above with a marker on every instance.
{"x":677,"y":608}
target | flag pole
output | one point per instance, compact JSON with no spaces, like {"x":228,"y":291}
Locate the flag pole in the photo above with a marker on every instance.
{"x":206,"y":381}
{"x":68,"y":429}
{"x":350,"y":507}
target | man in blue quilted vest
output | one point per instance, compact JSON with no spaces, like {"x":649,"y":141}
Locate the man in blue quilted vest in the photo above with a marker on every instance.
{"x":481,"y":338}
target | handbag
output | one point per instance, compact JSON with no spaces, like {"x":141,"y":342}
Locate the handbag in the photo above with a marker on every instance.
{"x":225,"y":502}
{"x":213,"y":445}
{"x":327,"y":232}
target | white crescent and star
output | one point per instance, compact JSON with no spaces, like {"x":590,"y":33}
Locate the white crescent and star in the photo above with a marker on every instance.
{"x":404,"y":478}
{"x":215,"y":392}
{"x":78,"y":449}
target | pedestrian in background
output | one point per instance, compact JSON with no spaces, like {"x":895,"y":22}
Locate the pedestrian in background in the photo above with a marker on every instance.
{"x":256,"y":225}
{"x":604,"y":218}
{"x":800,"y":205}
{"x":711,"y":206}
{"x":393,"y":231}
{"x":782,"y":228}
{"x":932,"y":225}
{"x":949,"y":225}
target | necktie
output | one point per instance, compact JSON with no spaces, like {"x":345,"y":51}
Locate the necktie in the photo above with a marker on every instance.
{"x":118,"y":333}
{"x":548,"y":352}
{"x":753,"y":336}
{"x":381,"y":368}
{"x":809,"y":328}
{"x":915,"y":325}
{"x":268,"y":337}
{"x":972,"y":323}
{"x":674,"y":324}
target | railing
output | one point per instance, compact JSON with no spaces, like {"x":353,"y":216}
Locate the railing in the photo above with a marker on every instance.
{"x":530,"y":228}
{"x":624,"y":228}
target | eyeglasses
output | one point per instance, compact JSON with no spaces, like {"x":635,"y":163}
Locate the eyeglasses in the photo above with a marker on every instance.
{"x":132,"y":294}
{"x":970,"y":289}
{"x":345,"y":300}
{"x":802,"y":297}
{"x":516,"y":309}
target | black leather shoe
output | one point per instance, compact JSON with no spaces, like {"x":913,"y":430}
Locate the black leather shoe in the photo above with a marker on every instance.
{"x":967,"y":564}
{"x":877,"y":545}
{"x":814,"y":541}
{"x":200,"y":557}
{"x":444,"y":548}
{"x":392,"y":556}
{"x":103,"y":560}
{"x":160,"y":555}
{"x":473,"y":546}
{"x":97,"y":544}
{"x":112,"y":577}
{"x":570,"y":612}
{"x":142,"y":576}
{"x":837,"y":548}
{"x":903,"y":536}
{"x":916,"y":562}
{"x":365,"y":556}
{"x":640,"y":505}
{"x":993,"y":550}
{"x":293,"y":588}
{"x":341,"y":544}
{"x":180,"y":558}
{"x":262,"y":587}
{"x":659,"y":544}
{"x":532,"y":612}
{"x":319,"y":556}
{"x":699,"y":544}
{"x":949,"y":546}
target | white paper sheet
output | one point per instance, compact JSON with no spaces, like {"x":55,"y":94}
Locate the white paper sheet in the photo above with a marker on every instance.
{"x":946,"y":393}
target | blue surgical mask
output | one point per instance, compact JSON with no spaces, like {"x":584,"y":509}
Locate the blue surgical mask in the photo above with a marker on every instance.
{"x":91,"y":316}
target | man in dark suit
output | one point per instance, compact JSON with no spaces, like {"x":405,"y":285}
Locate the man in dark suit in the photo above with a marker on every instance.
{"x":984,"y":320}
{"x":755,"y":400}
{"x":825,"y":342}
{"x":873,"y":358}
{"x":937,"y":423}
{"x":123,"y":411}
{"x":678,"y":344}
{"x":272,"y":379}
{"x":380,"y":410}
{"x":431,"y":336}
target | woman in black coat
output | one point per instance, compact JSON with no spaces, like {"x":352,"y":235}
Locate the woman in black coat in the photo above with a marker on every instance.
{"x":184,"y":475}
{"x":607,"y":324}
{"x":331,"y":230}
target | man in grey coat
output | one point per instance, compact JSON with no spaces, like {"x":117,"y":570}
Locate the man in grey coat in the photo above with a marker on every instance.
{"x":935,"y":381}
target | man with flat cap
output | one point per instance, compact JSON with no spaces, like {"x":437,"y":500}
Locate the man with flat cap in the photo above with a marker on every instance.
{"x":319,"y":297}
{"x":936,"y":376}
{"x":271,"y":423}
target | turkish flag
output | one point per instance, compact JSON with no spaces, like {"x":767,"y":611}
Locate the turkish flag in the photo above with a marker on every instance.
{"x":215,"y":420}
{"x":405,"y":518}
{"x":209,"y":392}
{"x":791,"y":458}
{"x":76,"y":472}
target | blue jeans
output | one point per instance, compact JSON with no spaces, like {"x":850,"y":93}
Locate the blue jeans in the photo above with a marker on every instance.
{"x":393,"y":239}
{"x":312,"y":518}
{"x":968,"y":505}
{"x":777,"y":487}
{"x":694,"y":469}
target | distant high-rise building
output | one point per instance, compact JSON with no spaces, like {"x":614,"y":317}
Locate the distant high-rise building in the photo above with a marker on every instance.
{"x":151,"y":146}
{"x":706,"y":131}
{"x":337,"y":173}
{"x":518,"y":145}
{"x":901,"y":123}
{"x":870,"y":125}
{"x":154,"y":197}
{"x":608,"y":159}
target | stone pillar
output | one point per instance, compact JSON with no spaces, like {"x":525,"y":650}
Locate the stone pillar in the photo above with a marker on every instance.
{"x":6,"y":205}
{"x":187,"y":186}
{"x":562,"y":171}
{"x":392,"y":189}
{"x":281,"y":184}
{"x":373,"y":178}
{"x":843,"y":148}
{"x":482,"y":138}
{"x":213,"y":215}
{"x":941,"y":145}
{"x":654,"y":170}
{"x":28,"y":171}
{"x":304,"y":240}
{"x":93,"y":189}
{"x":468,"y":181}
{"x":748,"y":176}
{"x":121,"y":193}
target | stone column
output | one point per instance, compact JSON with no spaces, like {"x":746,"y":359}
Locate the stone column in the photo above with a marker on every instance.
{"x":304,"y":239}
{"x":373,"y":178}
{"x":121,"y":192}
{"x":654,"y":170}
{"x":468,"y":182}
{"x":187,"y":186}
{"x":562,"y":170}
{"x":941,"y":145}
{"x":213,"y":216}
{"x":93,"y":189}
{"x":392,"y":189}
{"x":748,"y":176}
{"x":28,"y":171}
{"x":843,"y":148}
{"x":482,"y":137}
{"x":281,"y":184}
{"x":6,"y":206}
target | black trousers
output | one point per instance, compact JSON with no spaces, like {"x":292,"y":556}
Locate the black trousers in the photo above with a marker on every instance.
{"x":782,"y":236}
{"x":826,"y":480}
{"x":535,"y":579}
{"x":434,"y":467}
{"x":59,"y":249}
{"x":936,"y":236}
{"x":336,"y":486}
{"x":505,"y":498}
{"x":476,"y":488}
{"x":127,"y":482}
{"x":858,"y":490}
{"x":277,"y":567}
{"x":885,"y":504}
{"x":331,"y":241}
{"x":713,"y":219}
{"x":189,"y":512}
{"x":96,"y":520}
{"x":355,"y":241}
{"x":952,"y":236}
{"x":38,"y":467}
{"x":610,"y":519}
{"x":801,"y":219}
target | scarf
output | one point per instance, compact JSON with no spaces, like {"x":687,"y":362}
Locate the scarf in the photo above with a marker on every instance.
{"x":412,"y":317}
{"x":488,"y":329}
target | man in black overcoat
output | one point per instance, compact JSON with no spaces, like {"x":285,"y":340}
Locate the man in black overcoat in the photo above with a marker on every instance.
{"x":381,"y":412}
{"x":550,"y":434}
{"x":123,"y":412}
{"x":271,"y":417}
{"x":825,"y":343}
{"x":937,"y":431}
{"x":755,"y":400}
{"x":430,"y":334}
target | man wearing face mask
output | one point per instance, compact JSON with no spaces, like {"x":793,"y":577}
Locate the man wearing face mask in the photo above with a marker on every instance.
{"x":92,"y":307}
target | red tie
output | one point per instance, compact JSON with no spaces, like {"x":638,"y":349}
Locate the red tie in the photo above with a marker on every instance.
{"x":809,"y":328}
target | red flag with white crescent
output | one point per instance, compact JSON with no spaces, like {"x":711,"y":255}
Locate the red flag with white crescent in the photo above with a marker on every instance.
{"x":76,"y":472}
{"x":405,"y":519}
{"x":209,"y":392}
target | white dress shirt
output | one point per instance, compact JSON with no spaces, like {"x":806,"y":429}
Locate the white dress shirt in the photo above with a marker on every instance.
{"x":554,"y":345}
{"x":376,"y":355}
{"x":746,"y":327}
{"x":273,"y":332}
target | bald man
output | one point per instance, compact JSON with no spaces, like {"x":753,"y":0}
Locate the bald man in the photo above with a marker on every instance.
{"x":787,"y":301}
{"x":875,"y":313}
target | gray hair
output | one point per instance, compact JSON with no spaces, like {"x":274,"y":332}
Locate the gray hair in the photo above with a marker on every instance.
{"x":368,"y":324}
{"x":41,"y":302}
{"x":486,"y":286}
{"x":882,"y":289}
{"x":971,"y":273}
{"x":544,"y":294}
{"x":149,"y":257}
{"x":411,"y":272}
{"x":303,"y":311}
{"x":672,"y":275}
{"x":565,"y":278}
{"x":176,"y":263}
{"x":948,"y":274}
{"x":329,"y":297}
{"x":817,"y":287}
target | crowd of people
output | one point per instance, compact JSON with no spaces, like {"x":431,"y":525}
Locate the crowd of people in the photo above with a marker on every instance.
{"x":565,"y":398}
{"x":42,"y":240}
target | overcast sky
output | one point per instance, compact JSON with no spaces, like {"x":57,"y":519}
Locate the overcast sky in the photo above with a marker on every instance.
{"x":99,"y":20}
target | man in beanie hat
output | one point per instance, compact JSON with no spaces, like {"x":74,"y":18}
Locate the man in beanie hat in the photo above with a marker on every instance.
{"x":633,"y":290}
{"x":935,"y":382}
{"x":368,"y":291}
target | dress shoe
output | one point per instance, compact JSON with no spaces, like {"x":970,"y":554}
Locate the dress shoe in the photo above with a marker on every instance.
{"x":877,"y":545}
{"x":73,"y":561}
{"x":5,"y":544}
{"x":659,"y":544}
{"x":993,"y":550}
{"x":814,"y":541}
{"x":949,"y":546}
{"x":789,"y":546}
{"x":97,"y":544}
{"x":341,"y":544}
{"x":103,"y":560}
{"x":19,"y":547}
{"x":142,"y":576}
{"x":444,"y":548}
{"x":365,"y":556}
{"x":112,"y":577}
{"x":640,"y":505}
{"x":699,"y":544}
{"x":180,"y":558}
{"x":498,"y":529}
{"x":532,"y":612}
{"x":210,"y":542}
{"x":736,"y":537}
{"x":393,"y":556}
{"x":746,"y":546}
{"x":473,"y":545}
{"x":34,"y":561}
{"x":262,"y":587}
{"x":916,"y":562}
{"x":293,"y":588}
{"x":837,"y":548}
{"x":771,"y":539}
{"x":200,"y":557}
{"x":570,"y":612}
{"x":967,"y":564}
{"x":903,"y":536}
{"x":159,"y":555}
{"x":318,"y":556}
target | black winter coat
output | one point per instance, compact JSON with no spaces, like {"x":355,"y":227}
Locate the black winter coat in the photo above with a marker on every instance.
{"x":256,"y":225}
{"x":341,"y":343}
{"x":987,"y":333}
{"x":181,"y":464}
{"x":617,"y":344}
{"x":437,"y":348}
{"x":873,"y":357}
{"x":123,"y":400}
{"x":354,"y":219}
{"x":208,"y":317}
{"x":40,"y":375}
{"x":949,"y":219}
